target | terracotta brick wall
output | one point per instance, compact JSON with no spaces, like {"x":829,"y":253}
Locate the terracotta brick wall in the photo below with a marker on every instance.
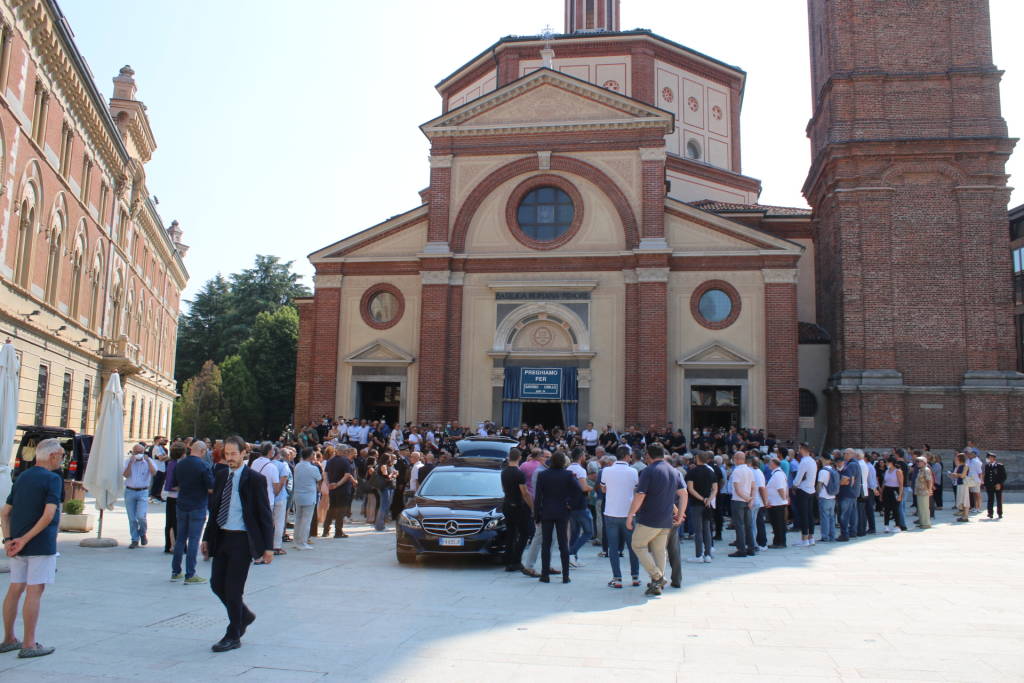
{"x":324,"y":376}
{"x":652,"y":353}
{"x":782,"y":368}
{"x":432,"y":361}
{"x":303,"y":361}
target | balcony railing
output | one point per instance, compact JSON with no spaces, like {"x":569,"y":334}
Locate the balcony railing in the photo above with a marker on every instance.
{"x":121,"y":355}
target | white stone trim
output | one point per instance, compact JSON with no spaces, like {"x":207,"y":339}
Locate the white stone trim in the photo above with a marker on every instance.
{"x":435,"y":277}
{"x":322,"y":281}
{"x":653,"y":244}
{"x":526,"y":285}
{"x":779,"y":275}
{"x":567,"y":315}
{"x":457,"y":278}
{"x":442,"y":161}
{"x":544,"y":160}
{"x":435,"y":249}
{"x":652,"y":274}
{"x":653,"y":154}
{"x":629,"y":276}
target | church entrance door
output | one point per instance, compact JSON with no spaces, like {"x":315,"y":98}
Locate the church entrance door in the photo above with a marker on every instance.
{"x":379,"y":401}
{"x":547,"y":413}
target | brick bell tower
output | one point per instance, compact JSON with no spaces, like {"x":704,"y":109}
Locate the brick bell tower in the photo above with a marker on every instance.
{"x":909,"y":194}
{"x":582,"y":16}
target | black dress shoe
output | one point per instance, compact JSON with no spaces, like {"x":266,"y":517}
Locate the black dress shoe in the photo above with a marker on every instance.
{"x":737,"y":554}
{"x":225,"y":644}
{"x":246,"y":621}
{"x":544,"y":578}
{"x":565,"y":579}
{"x":676,"y":585}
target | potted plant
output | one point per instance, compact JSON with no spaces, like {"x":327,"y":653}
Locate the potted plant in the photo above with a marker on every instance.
{"x":73,"y":518}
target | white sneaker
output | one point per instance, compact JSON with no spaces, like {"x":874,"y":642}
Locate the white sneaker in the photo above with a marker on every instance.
{"x":762,"y":547}
{"x":811,"y":541}
{"x":307,"y":547}
{"x":707,"y":559}
{"x":575,"y":562}
{"x":896,"y":530}
{"x":695,"y":560}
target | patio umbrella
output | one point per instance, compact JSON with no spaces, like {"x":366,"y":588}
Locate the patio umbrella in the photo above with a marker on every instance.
{"x":103,"y":471}
{"x":8,"y":418}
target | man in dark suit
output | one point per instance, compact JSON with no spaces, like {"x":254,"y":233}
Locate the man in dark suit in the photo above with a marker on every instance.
{"x":240,"y":529}
{"x":994,"y":478}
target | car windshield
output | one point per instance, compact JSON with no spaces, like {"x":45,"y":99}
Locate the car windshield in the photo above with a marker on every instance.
{"x":462,"y":484}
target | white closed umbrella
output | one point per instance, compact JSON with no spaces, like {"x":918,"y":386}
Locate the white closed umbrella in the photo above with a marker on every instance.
{"x":9,"y":367}
{"x":103,"y":471}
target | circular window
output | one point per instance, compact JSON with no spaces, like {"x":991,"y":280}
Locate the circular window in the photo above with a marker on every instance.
{"x":544,"y":211}
{"x":715,"y":304}
{"x":693,"y":149}
{"x":382,"y":306}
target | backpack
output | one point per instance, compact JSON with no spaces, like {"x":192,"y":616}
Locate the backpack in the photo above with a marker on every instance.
{"x":832,"y":487}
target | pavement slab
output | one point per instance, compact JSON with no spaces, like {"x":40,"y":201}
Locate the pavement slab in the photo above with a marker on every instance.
{"x":937,"y":605}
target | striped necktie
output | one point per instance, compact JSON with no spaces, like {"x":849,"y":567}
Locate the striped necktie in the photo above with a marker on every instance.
{"x":225,"y":501}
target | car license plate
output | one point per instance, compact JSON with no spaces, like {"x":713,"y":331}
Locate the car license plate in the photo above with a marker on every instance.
{"x":451,"y":541}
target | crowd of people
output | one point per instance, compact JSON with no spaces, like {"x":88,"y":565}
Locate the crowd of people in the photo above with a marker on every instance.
{"x":641,"y":493}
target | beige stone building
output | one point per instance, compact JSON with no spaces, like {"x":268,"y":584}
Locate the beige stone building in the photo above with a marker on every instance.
{"x":90,"y":278}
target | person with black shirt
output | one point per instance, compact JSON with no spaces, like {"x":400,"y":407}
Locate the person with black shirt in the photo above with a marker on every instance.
{"x":994,"y":478}
{"x":518,"y":509}
{"x":677,"y":442}
{"x":702,"y":487}
{"x":340,"y":483}
{"x":403,"y":468}
{"x":557,"y":493}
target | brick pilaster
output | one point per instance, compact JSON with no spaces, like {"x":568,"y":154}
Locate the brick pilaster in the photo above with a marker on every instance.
{"x":440,"y":197}
{"x":631,"y":330}
{"x":652,"y":348}
{"x":433,"y":361}
{"x":652,"y":177}
{"x":453,"y":375}
{"x":643,"y":74}
{"x":323,"y":382}
{"x":303,"y":360}
{"x":782,"y":367}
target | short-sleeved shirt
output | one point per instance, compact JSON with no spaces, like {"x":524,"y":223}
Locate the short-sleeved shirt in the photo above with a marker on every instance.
{"x":268,"y":469}
{"x":759,"y":483}
{"x":620,"y":481}
{"x":307,"y":475}
{"x":33,"y":490}
{"x":284,"y":474}
{"x":511,"y":478}
{"x":194,"y":481}
{"x":824,"y":475}
{"x":336,"y":468}
{"x":659,"y":483}
{"x":742,"y":478}
{"x":580,"y":474}
{"x":703,"y":479}
{"x":852,"y":489}
{"x":776,"y":482}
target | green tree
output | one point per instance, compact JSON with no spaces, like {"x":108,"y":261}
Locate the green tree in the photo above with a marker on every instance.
{"x":202,"y":331}
{"x":243,"y":401}
{"x":267,"y":286}
{"x":200,"y":410}
{"x":269,"y":354}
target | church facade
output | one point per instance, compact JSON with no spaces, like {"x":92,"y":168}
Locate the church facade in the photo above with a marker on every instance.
{"x":588,"y":249}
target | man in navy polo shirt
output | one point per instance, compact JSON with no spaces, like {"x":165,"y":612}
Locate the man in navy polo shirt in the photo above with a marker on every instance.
{"x":659,"y":503}
{"x":850,"y":485}
{"x":30,"y":519}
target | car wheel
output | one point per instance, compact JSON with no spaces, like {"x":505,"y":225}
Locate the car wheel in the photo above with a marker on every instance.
{"x":405,"y":558}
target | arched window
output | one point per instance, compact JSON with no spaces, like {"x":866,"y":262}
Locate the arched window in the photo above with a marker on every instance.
{"x":693,"y":150}
{"x":26,"y":233}
{"x":53,"y":262}
{"x":77,"y":256}
{"x":96,"y":277}
{"x":808,"y":403}
{"x":131,"y":420}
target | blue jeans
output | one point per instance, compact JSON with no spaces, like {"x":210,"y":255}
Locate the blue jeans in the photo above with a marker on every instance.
{"x":379,"y":522}
{"x":582,"y":530}
{"x":848,"y":517}
{"x":901,"y":515}
{"x":620,"y":537}
{"x":190,"y":529}
{"x":827,"y":512}
{"x":136,"y":503}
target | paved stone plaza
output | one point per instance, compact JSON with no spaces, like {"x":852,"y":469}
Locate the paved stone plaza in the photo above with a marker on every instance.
{"x":941,"y":605}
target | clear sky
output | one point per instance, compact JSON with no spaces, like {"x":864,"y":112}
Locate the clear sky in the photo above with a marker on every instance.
{"x":285,"y":126}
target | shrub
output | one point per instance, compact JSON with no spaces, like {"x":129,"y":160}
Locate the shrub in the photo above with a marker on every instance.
{"x":74,"y":506}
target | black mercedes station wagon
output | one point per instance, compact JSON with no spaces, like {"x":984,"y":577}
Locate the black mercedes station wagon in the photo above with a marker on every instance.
{"x":456,"y":511}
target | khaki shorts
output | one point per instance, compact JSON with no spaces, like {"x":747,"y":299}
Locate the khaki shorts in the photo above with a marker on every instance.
{"x":33,"y":569}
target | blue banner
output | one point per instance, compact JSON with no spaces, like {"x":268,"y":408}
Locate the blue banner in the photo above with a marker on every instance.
{"x":540,"y":383}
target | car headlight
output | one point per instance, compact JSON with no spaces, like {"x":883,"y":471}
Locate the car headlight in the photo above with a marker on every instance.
{"x":407,"y":520}
{"x":495,"y":522}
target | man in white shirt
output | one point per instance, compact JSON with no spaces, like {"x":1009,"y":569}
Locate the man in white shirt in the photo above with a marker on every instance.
{"x":158,"y":453}
{"x":619,"y":482}
{"x":582,"y":528}
{"x":827,"y":475}
{"x":757,"y":513}
{"x":414,"y":472}
{"x":803,"y":486}
{"x":975,"y":470}
{"x":265,"y":466}
{"x":865,"y":510}
{"x":743,"y":492}
{"x":590,"y":438}
{"x":777,"y":491}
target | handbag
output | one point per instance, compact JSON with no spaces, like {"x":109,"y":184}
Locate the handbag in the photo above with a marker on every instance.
{"x":379,"y":481}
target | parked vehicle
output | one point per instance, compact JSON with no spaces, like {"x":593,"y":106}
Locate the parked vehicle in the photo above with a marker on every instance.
{"x":76,"y":449}
{"x":484,"y":450}
{"x":456,"y":511}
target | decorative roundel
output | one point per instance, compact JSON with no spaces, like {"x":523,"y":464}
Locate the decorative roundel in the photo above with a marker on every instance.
{"x":667,"y":94}
{"x":716,"y":112}
{"x":542,"y":336}
{"x":715,"y":304}
{"x":382,"y":306}
{"x":544,"y":211}
{"x":692,"y":103}
{"x":612,"y":85}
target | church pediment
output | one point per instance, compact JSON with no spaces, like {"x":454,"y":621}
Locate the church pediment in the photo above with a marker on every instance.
{"x":715,"y":355}
{"x":548,"y":100}
{"x":380,"y":352}
{"x":688,"y":229}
